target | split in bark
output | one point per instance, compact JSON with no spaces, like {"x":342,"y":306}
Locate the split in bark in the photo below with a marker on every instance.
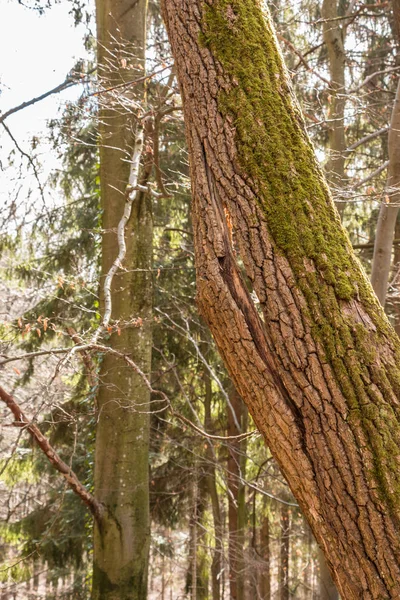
{"x":319,"y":370}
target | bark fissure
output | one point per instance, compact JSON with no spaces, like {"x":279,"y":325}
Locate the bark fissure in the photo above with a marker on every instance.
{"x":319,"y":373}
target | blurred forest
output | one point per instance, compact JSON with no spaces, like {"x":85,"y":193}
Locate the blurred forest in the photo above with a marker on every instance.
{"x":113,"y":392}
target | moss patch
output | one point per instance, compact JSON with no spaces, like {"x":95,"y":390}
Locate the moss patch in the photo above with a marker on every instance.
{"x":278,"y":161}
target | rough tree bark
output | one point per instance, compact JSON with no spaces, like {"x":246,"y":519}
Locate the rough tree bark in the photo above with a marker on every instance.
{"x":122,"y":536}
{"x":389,"y":209}
{"x":319,"y":370}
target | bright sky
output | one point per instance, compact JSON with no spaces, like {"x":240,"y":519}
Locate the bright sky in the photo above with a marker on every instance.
{"x":37,"y":51}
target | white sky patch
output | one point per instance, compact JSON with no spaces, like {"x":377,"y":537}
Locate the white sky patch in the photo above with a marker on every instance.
{"x":38,"y":52}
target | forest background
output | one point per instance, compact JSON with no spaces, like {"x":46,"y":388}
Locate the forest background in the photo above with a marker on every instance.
{"x":223,"y":521}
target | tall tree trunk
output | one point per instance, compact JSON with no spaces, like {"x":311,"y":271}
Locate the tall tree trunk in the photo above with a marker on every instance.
{"x":389,"y":209}
{"x":308,"y":571}
{"x":396,"y":270}
{"x":122,"y":537}
{"x":320,"y":372}
{"x":198,"y":575}
{"x":284,"y":551}
{"x":216,"y":565}
{"x":236,"y":496}
{"x":265,"y":578}
{"x":390,"y":205}
{"x":334,"y":34}
{"x":327,"y":589}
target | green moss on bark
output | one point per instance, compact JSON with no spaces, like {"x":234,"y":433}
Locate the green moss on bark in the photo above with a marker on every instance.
{"x":278,"y":161}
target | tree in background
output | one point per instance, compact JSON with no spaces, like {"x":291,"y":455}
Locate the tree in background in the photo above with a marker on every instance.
{"x":121,"y":476}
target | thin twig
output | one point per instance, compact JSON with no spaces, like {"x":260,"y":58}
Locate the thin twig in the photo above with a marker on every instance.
{"x":69,"y":81}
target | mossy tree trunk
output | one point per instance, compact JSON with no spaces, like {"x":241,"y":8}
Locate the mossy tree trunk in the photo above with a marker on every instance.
{"x":122,"y":537}
{"x":317,"y":363}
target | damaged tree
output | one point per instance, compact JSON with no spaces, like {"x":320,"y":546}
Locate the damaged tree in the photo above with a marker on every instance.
{"x":318,"y":364}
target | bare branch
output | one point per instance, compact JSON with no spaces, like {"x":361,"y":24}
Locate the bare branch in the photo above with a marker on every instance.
{"x":367,"y":138}
{"x":72,"y":480}
{"x":130,"y":197}
{"x":69,"y":82}
{"x":371,"y":77}
{"x":28,"y":157}
{"x":375,"y":173}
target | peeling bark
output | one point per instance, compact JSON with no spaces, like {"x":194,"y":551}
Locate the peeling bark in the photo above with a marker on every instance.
{"x":318,"y":364}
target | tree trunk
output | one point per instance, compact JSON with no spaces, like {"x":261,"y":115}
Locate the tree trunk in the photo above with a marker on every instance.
{"x":320,"y":370}
{"x":216,"y":565}
{"x":390,"y":205}
{"x":308,"y":571}
{"x":327,"y":589}
{"x":284,"y":551}
{"x":122,"y":537}
{"x":265,"y":578}
{"x":389,"y":209}
{"x":236,"y":496}
{"x":396,"y":279}
{"x":334,"y":33}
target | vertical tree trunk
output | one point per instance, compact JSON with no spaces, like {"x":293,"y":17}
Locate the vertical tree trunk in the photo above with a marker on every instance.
{"x":390,"y":205}
{"x":236,"y":496}
{"x":396,"y":271}
{"x":265,"y":579}
{"x":327,"y":589}
{"x":216,"y":565}
{"x":193,"y":539}
{"x":308,"y":571}
{"x":122,"y":537}
{"x":334,"y":33}
{"x":284,"y":551}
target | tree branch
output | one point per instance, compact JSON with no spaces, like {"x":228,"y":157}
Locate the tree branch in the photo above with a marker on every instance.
{"x":69,"y":82}
{"x":70,"y":477}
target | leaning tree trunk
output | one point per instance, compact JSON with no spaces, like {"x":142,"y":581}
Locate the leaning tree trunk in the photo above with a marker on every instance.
{"x":122,"y":537}
{"x":319,"y":370}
